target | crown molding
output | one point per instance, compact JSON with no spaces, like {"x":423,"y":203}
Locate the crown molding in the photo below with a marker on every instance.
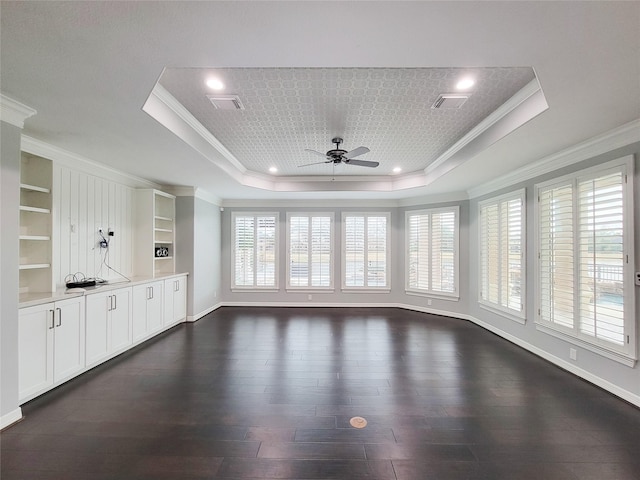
{"x":14,"y":112}
{"x":501,"y":112}
{"x":78,"y":162}
{"x":196,"y":193}
{"x":617,"y":138}
{"x":176,"y":107}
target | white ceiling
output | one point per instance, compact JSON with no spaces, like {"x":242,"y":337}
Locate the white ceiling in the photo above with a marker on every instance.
{"x":89,"y":67}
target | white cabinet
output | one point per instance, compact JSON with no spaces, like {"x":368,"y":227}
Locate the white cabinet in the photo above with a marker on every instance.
{"x":51,"y":346}
{"x":147,"y":310}
{"x":108,"y":324}
{"x":155,"y":235}
{"x":35,"y":224}
{"x":175,"y":300}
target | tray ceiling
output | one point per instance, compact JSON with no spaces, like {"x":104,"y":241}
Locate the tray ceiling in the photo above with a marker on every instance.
{"x":388,"y":110}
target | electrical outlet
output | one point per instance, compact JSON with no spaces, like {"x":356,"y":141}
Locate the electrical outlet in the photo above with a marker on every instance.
{"x":429,"y":302}
{"x":573,"y":354}
{"x":638,"y":279}
{"x":309,"y":297}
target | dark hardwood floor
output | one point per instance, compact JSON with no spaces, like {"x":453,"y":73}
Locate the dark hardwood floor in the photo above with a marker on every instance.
{"x":268,"y":393}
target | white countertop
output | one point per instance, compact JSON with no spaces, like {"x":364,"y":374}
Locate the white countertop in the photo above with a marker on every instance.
{"x":32,"y":299}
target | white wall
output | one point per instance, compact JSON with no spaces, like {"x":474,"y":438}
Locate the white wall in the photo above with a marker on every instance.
{"x":9,"y":255}
{"x":83,"y":203}
{"x":198,"y":252}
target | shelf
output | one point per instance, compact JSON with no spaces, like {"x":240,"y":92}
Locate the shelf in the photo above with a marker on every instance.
{"x":35,"y":237}
{"x":168,"y":230}
{"x":169,"y":242}
{"x":34,"y":188}
{"x":166,"y":219}
{"x":163,"y":258}
{"x":25,"y":208}
{"x":34,"y":266}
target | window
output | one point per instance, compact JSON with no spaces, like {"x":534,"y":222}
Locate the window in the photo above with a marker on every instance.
{"x":502,"y":255}
{"x":584,"y":277}
{"x":366,"y":250}
{"x":310,"y":250}
{"x":255,"y":246}
{"x":432,"y":251}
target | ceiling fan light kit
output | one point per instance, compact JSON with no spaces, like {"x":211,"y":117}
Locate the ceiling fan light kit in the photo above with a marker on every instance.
{"x":338,"y":155}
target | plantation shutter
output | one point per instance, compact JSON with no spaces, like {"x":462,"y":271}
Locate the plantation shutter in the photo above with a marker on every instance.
{"x":556,"y":239}
{"x":320,"y":251}
{"x":354,"y":251}
{"x":601,"y":264}
{"x":419,"y":251}
{"x":299,"y":251}
{"x":244,"y":250}
{"x":266,"y":251}
{"x":443,"y":252}
{"x":501,"y":244}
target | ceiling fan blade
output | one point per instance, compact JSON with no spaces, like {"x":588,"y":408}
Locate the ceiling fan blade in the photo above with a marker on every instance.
{"x":355,"y":152}
{"x":316,"y":153}
{"x":361,"y":163}
{"x":315,"y":163}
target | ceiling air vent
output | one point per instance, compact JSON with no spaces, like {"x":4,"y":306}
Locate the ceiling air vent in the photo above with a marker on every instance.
{"x":450,"y":100}
{"x":226,"y":102}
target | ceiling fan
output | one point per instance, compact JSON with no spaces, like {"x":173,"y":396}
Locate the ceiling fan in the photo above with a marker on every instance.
{"x":337,"y":155}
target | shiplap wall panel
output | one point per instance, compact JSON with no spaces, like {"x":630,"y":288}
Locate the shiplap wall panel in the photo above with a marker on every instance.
{"x":86,"y":203}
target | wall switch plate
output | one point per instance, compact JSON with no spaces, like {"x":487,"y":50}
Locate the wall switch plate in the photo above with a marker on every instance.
{"x":309,"y":297}
{"x":573,"y":354}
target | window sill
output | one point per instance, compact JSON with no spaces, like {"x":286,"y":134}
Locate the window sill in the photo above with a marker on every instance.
{"x":365,"y":290}
{"x":310,"y":290}
{"x":439,"y":296}
{"x":597,"y":349}
{"x":254,"y":290}
{"x":502,"y":313}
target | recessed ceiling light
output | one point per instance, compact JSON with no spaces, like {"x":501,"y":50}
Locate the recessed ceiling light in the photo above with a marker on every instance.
{"x":397,"y":170}
{"x":215,"y":84}
{"x":273,"y":169}
{"x":465,"y":83}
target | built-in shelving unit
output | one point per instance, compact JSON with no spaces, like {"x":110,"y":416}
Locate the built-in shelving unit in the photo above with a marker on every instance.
{"x":155,"y":233}
{"x":35,"y":224}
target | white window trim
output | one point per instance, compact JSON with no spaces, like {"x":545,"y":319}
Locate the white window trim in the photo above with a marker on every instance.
{"x":310,"y":288}
{"x":255,"y":288}
{"x":519,"y":317}
{"x":627,"y":354}
{"x":365,"y":289}
{"x":456,"y":262}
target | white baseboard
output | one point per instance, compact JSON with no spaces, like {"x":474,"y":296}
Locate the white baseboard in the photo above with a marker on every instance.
{"x":10,"y":418}
{"x":198,"y":316}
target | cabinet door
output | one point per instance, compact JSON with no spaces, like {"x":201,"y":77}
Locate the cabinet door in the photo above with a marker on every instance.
{"x":169,"y":292}
{"x":97,"y":326}
{"x":154,"y":307}
{"x":140,"y":294}
{"x":120,"y":322}
{"x":180,"y":300}
{"x":35,"y":349}
{"x":69,"y":340}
